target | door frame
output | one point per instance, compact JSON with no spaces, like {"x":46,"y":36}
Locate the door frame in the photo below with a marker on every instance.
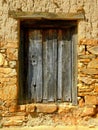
{"x":25,"y":24}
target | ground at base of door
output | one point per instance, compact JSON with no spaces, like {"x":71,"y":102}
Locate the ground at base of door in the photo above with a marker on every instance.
{"x":53,"y":128}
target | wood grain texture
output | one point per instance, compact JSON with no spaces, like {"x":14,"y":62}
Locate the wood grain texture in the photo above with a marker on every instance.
{"x":50,"y":70}
{"x":35,"y":66}
{"x":51,"y":65}
{"x":46,"y":15}
{"x":74,"y":65}
{"x":64,"y":65}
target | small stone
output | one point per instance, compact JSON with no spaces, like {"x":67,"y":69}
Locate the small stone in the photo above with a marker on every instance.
{"x":12,"y":44}
{"x":2,"y":44}
{"x":1,"y":59}
{"x":84,"y":60}
{"x":5,"y":63}
{"x":46,"y":108}
{"x":1,"y":92}
{"x":13,"y":108}
{"x":9,"y":103}
{"x":89,"y":71}
{"x":96,"y":88}
{"x":3,"y":50}
{"x":14,"y":121}
{"x":8,"y":80}
{"x":12,"y":54}
{"x":12,"y":64}
{"x":84,"y":89}
{"x":88,"y":41}
{"x":93,"y":64}
{"x":90,"y":56}
{"x":30,"y":108}
{"x":81,"y":50}
{"x":91,"y":126}
{"x":91,"y":100}
{"x":93,"y":50}
{"x":9,"y":92}
{"x":6,"y":72}
{"x":96,"y":76}
{"x":87,"y":80}
{"x":81,"y":102}
{"x":88,"y":111}
{"x":22,"y":108}
{"x":63,"y":108}
{"x":80,"y":65}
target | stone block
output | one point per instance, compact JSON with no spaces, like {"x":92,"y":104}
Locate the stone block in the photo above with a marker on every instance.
{"x":89,"y":71}
{"x":7,"y":72}
{"x":63,"y":108}
{"x":9,"y":103}
{"x":8,"y":81}
{"x":12,"y":54}
{"x":46,"y":108}
{"x":5,"y":63}
{"x":12,"y":64}
{"x":81,"y":102}
{"x":93,"y":64}
{"x":87,"y":80}
{"x":10,"y":92}
{"x":84,"y":60}
{"x":89,"y":56}
{"x":21,"y":108}
{"x":1,"y":92}
{"x":88,"y":41}
{"x":2,"y":44}
{"x":91,"y":100}
{"x":14,"y":121}
{"x":30,"y":108}
{"x":9,"y":44}
{"x":93,"y":50}
{"x":96,"y":88}
{"x":83,"y":89}
{"x":81,"y":50}
{"x":1,"y":59}
{"x":80,"y":65}
{"x":13,"y":108}
{"x":89,"y":111}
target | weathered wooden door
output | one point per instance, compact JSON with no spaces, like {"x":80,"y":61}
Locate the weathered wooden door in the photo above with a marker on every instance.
{"x":49,"y":75}
{"x":47,"y":65}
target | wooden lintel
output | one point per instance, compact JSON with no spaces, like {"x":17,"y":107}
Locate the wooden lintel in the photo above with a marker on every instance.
{"x":46,"y":15}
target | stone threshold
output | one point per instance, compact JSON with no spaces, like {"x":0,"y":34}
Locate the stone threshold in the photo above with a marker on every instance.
{"x":53,"y":128}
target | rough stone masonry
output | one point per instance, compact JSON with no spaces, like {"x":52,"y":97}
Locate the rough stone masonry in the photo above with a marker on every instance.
{"x":12,"y":114}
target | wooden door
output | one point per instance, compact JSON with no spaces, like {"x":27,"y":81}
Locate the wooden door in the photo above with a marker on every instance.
{"x":47,"y":68}
{"x":49,"y":65}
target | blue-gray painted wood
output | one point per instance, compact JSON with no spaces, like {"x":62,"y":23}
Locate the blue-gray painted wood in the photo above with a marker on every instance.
{"x":45,"y":68}
{"x":50,"y":66}
{"x":74,"y":65}
{"x":65,"y":66}
{"x":35,"y":65}
{"x":60,"y":45}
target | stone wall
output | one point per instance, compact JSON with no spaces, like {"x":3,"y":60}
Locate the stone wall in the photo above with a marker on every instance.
{"x":13,"y":114}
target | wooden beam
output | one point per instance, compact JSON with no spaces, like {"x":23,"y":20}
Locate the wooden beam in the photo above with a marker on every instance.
{"x":46,"y":15}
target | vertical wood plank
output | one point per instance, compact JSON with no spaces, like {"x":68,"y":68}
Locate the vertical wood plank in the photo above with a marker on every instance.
{"x":45,"y":69}
{"x":50,"y":72}
{"x":55,"y":58}
{"x":60,"y":43}
{"x":66,"y":65}
{"x":74,"y":65}
{"x":35,"y":65}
